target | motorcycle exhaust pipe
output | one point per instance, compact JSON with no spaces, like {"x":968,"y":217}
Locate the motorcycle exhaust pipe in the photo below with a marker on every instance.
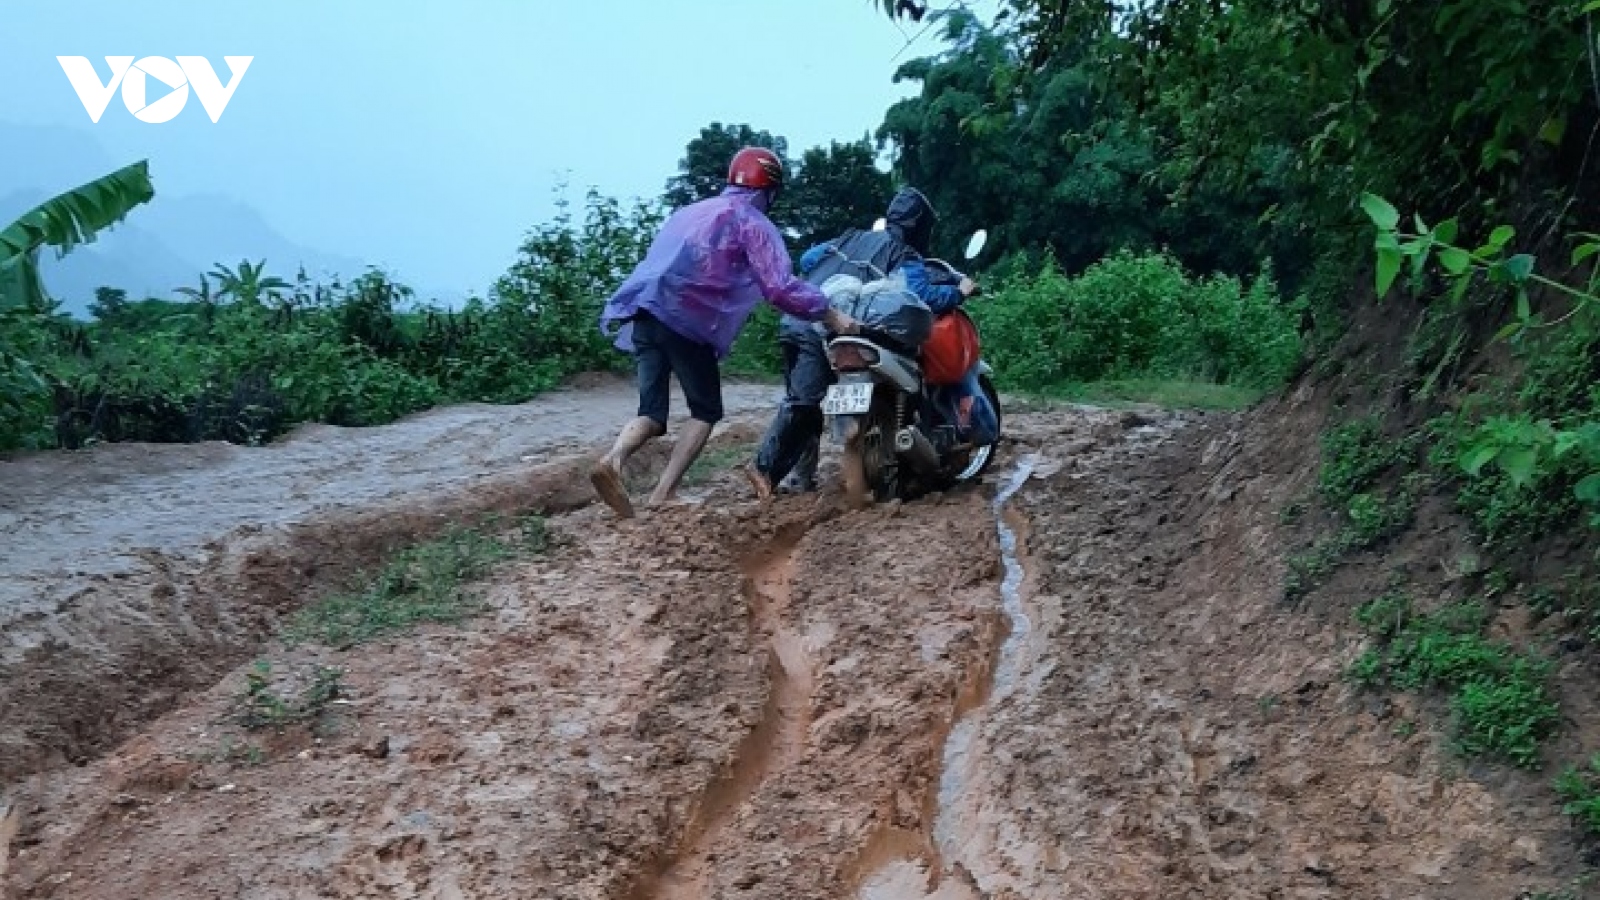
{"x":917,"y":449}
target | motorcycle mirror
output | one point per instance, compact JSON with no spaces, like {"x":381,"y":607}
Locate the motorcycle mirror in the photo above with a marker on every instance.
{"x":976,"y":242}
{"x":879,"y":225}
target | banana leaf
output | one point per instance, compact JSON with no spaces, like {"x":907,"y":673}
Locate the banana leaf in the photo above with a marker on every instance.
{"x":64,"y":222}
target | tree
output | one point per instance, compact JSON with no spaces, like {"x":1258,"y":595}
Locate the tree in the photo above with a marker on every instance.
{"x":836,"y":187}
{"x":109,"y":304}
{"x":829,"y":188}
{"x":62,"y":222}
{"x":1060,"y":162}
{"x":703,"y":171}
{"x":203,"y":297}
{"x":248,"y":283}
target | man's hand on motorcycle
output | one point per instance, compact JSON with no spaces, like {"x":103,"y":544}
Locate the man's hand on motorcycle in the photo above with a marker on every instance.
{"x":839,"y":323}
{"x":968,"y":287}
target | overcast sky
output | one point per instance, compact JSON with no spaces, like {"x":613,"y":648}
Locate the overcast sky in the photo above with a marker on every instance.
{"x":428,"y":136}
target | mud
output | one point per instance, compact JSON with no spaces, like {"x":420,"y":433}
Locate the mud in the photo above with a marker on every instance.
{"x":1104,"y":698}
{"x":1177,"y":731}
{"x":701,"y":703}
{"x":133,"y":573}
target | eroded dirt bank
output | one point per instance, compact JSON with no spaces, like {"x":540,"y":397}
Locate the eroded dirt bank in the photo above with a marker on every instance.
{"x":132,"y":573}
{"x":1176,"y":730}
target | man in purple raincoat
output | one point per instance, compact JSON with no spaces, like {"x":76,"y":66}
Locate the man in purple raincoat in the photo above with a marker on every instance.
{"x":681,"y":309}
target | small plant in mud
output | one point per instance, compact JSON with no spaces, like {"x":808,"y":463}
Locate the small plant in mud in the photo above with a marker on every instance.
{"x":712,"y":462}
{"x":1369,"y":518}
{"x":1292,"y":512}
{"x":1500,"y":700}
{"x":242,"y":753}
{"x":1355,"y":455}
{"x":1580,"y":788}
{"x":261,"y":706}
{"x":428,"y":582}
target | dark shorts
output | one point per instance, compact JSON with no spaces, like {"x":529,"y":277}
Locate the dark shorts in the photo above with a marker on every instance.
{"x":662,"y":352}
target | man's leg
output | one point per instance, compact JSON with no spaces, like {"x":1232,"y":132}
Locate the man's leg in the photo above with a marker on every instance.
{"x":695,"y":366}
{"x":757,"y":471}
{"x":977,"y":418}
{"x":798,"y":424}
{"x":651,"y":422}
{"x":803,"y":477}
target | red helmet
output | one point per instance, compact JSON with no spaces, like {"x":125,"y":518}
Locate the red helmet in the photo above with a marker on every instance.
{"x":756,"y":167}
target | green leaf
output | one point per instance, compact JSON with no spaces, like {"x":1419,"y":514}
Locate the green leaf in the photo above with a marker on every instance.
{"x":1501,"y":236}
{"x":1475,"y":458}
{"x":1380,"y":211}
{"x":1591,"y":6}
{"x":1519,"y":267}
{"x":73,"y":218}
{"x":1445,"y":233}
{"x":1555,"y":128}
{"x":1455,"y":260}
{"x":1418,"y":250}
{"x":1460,"y":289}
{"x":1519,"y":464}
{"x":1584,"y":251}
{"x":1422,"y":227}
{"x":1588,"y":488}
{"x":1388,"y":268}
{"x":1509,"y":331}
{"x":1524,"y":311}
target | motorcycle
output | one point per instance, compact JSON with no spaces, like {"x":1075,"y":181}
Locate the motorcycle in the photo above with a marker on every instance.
{"x":879,"y":406}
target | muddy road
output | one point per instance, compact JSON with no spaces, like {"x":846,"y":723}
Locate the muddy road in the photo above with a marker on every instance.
{"x":133,"y":572}
{"x":1076,"y":681}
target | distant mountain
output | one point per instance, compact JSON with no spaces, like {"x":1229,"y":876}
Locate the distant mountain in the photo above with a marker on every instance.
{"x":160,"y":246}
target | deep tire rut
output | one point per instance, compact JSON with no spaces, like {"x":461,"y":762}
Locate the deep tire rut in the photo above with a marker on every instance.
{"x":775,"y":743}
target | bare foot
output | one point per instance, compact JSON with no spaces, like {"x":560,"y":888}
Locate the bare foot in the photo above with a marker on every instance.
{"x":758,"y":482}
{"x":608,"y":484}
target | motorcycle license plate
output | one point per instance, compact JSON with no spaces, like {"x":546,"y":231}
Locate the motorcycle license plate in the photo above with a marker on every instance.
{"x":847,"y":399}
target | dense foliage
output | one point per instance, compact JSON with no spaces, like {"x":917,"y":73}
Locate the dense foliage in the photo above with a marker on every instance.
{"x":1138,"y":316}
{"x":246,"y":361}
{"x":62,"y":222}
{"x":1057,"y":163}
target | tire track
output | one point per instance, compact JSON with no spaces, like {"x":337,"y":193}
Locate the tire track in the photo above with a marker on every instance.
{"x":778,"y":739}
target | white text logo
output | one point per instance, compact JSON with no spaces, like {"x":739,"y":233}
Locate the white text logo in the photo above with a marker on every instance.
{"x":134,"y":79}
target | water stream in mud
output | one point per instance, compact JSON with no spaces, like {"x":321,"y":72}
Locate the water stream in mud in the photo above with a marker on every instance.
{"x":906,"y":879}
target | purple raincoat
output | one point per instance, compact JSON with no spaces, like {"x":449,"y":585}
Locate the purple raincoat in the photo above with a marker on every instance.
{"x":712,"y":262}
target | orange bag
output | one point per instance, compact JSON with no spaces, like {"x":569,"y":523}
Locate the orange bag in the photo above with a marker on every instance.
{"x":952,"y":350}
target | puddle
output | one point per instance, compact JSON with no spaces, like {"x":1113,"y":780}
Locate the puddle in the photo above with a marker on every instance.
{"x":909,"y":878}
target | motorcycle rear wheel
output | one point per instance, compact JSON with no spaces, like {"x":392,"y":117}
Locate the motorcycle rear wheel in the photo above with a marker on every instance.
{"x":869,"y":462}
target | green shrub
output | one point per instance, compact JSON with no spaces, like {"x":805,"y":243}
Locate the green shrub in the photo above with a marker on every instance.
{"x":1137,"y":316}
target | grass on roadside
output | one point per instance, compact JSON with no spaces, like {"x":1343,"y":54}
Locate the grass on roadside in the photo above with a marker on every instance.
{"x":1499,"y":697}
{"x":427,"y":582}
{"x":715,"y":461}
